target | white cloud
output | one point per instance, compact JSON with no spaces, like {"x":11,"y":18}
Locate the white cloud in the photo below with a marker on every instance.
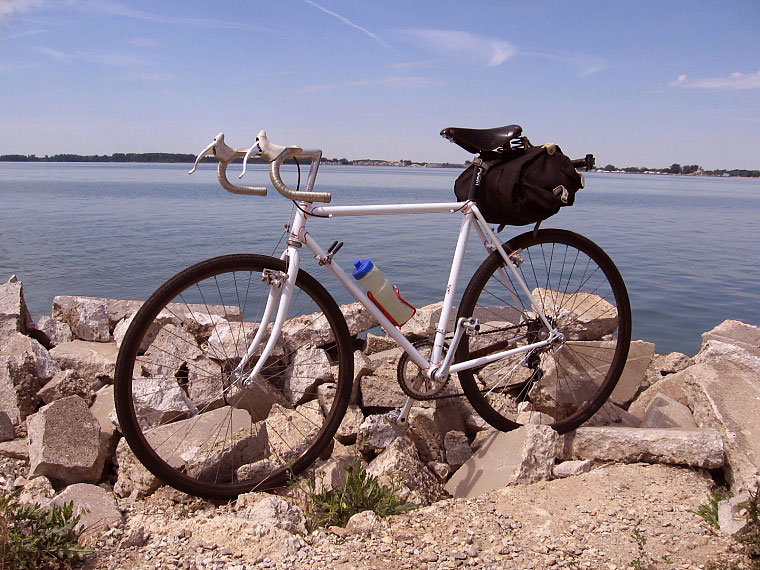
{"x":147,"y":76}
{"x":734,"y":82}
{"x":120,"y":10}
{"x":348,"y":23}
{"x":23,"y":34}
{"x":54,"y":53}
{"x":463,"y":45}
{"x":406,"y":81}
{"x":142,"y":42}
{"x":8,"y":7}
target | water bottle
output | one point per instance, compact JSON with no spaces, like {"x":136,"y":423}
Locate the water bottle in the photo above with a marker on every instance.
{"x":383,"y":293}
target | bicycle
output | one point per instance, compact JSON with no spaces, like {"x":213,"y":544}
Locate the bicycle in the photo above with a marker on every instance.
{"x":236,"y":373}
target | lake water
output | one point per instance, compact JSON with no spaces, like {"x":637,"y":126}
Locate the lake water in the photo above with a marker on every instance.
{"x":687,"y":246}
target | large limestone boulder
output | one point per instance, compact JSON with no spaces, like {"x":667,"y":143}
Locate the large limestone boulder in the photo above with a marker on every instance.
{"x":723,"y":391}
{"x":97,"y":507}
{"x":664,"y":365}
{"x":581,"y":316}
{"x":66,"y":383}
{"x":88,"y":319}
{"x":664,"y":412}
{"x":640,"y":357}
{"x":18,"y":387}
{"x":92,"y":361}
{"x":309,"y":368}
{"x":169,"y":353}
{"x":160,"y":400}
{"x":276,"y":512}
{"x":424,"y":322}
{"x":64,"y":442}
{"x":377,"y":432}
{"x":524,"y":455}
{"x":399,"y":464}
{"x":670,"y":386}
{"x":314,"y":330}
{"x":57,"y":332}
{"x":380,"y":389}
{"x":695,"y":447}
{"x":14,"y":315}
{"x":133,"y":479}
{"x":163,"y":318}
{"x":24,"y":347}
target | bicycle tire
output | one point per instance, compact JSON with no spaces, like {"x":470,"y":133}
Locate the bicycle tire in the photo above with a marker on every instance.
{"x":563,"y":384}
{"x":175,"y":397}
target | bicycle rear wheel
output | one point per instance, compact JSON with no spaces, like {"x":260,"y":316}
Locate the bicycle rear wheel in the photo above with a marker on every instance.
{"x":181,"y":411}
{"x":582,"y":294}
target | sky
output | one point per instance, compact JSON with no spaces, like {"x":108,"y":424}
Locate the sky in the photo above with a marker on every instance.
{"x":636,"y":83}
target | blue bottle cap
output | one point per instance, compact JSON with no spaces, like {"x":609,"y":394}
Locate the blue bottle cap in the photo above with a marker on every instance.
{"x":361,"y":268}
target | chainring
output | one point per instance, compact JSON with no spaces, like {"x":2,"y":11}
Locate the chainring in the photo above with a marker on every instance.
{"x":411,"y":378}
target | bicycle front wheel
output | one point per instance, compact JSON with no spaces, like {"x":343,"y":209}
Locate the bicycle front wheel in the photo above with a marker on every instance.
{"x":179,"y":399}
{"x":582,"y":294}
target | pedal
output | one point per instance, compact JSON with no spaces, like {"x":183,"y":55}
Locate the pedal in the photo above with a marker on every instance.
{"x":471,"y":326}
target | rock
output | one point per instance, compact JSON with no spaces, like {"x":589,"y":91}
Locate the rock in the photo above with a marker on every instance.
{"x":736,"y":333}
{"x":274,"y":511}
{"x":399,"y":464}
{"x":256,"y":470}
{"x":18,"y":387}
{"x":163,"y":318}
{"x":731,"y":517}
{"x":377,"y":432}
{"x":169,"y":353}
{"x":38,"y":490}
{"x":628,"y":387}
{"x":309,"y":368}
{"x":379,"y":358}
{"x":695,"y":447}
{"x":723,"y":390}
{"x":98,"y":508}
{"x":457,"y":448}
{"x":292,"y":430}
{"x":205,"y":383}
{"x":557,"y":398}
{"x":88,"y":319}
{"x":363,"y":523}
{"x":424,"y":322}
{"x":524,"y":455}
{"x":133,"y":479}
{"x":664,"y":365}
{"x":380,"y":389}
{"x":21,"y":346}
{"x":440,"y":470}
{"x":481,"y":437}
{"x":14,"y":315}
{"x":101,"y":409}
{"x":119,"y":309}
{"x":670,"y":386}
{"x":534,"y":417}
{"x":611,"y":415}
{"x":349,"y":426}
{"x":332,"y":473}
{"x":64,"y":442}
{"x":664,"y":412}
{"x":228,"y":341}
{"x":582,"y":316}
{"x":7,"y":432}
{"x":424,"y":433}
{"x":377,"y":343}
{"x":362,"y":367}
{"x":160,"y":400}
{"x":572,"y":468}
{"x":66,"y":383}
{"x":57,"y":332}
{"x":15,"y":449}
{"x":314,"y":330}
{"x":135,"y":538}
{"x":93,"y":361}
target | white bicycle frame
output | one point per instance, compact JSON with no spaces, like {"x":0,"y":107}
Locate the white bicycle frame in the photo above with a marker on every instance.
{"x":282,"y":284}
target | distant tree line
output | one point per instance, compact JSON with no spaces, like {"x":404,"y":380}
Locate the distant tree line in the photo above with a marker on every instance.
{"x":676,"y":168}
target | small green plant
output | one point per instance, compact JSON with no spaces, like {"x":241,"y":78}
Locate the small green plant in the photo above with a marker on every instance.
{"x":361,"y":492}
{"x":749,"y":536}
{"x":641,"y":562}
{"x":32,"y":538}
{"x":709,"y":511}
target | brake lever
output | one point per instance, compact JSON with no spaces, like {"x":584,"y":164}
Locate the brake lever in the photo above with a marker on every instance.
{"x":208,"y":151}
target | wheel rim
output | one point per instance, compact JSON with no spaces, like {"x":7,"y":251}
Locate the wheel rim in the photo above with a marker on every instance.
{"x":582,"y":294}
{"x":183,"y":414}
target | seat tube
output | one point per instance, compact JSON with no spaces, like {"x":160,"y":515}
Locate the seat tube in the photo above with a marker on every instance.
{"x":448,"y":300}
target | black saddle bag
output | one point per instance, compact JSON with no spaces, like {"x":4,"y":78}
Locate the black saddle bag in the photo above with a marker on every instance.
{"x":525,"y":189}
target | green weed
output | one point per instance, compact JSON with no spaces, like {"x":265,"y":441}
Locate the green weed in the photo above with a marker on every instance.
{"x":361,"y":492}
{"x":32,"y":538}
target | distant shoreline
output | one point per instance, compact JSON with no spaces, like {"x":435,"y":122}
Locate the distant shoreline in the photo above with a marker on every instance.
{"x":180,"y":158}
